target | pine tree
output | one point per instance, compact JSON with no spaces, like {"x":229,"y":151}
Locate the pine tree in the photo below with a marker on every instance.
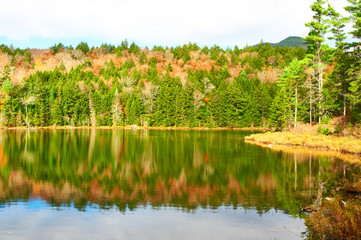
{"x":291,"y":81}
{"x":116,"y":109}
{"x":57,"y":113}
{"x":142,"y":58}
{"x":134,"y":110}
{"x":264,"y":102}
{"x":83,"y":46}
{"x":165,"y":107}
{"x":42,"y":114}
{"x":281,"y":114}
{"x":5,"y":74}
{"x":355,"y":10}
{"x":354,"y":72}
{"x":185,"y":106}
{"x":338,"y":78}
{"x":19,"y":119}
{"x":315,"y":40}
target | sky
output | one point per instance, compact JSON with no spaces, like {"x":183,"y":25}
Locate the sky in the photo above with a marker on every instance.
{"x":43,"y":23}
{"x":36,"y":221}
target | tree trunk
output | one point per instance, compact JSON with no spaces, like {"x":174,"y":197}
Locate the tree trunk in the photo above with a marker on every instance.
{"x":296,"y":107}
{"x":320,"y":86}
{"x":344,"y":100}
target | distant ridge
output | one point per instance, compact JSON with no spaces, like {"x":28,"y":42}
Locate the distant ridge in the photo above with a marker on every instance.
{"x":290,"y":42}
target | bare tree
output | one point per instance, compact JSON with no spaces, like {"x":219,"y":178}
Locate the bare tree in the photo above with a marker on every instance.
{"x":29,"y":100}
{"x":198,"y":99}
{"x":93,"y":120}
{"x":208,"y":86}
{"x":149,"y":95}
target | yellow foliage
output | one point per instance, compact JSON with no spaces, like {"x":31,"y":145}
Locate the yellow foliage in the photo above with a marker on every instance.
{"x":38,"y":64}
{"x":3,"y":96}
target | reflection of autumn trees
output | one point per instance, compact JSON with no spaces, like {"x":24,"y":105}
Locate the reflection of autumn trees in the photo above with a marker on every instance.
{"x":128,"y":168}
{"x":3,"y":158}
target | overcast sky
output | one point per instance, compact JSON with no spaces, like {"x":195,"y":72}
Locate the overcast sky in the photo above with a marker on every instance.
{"x":42,"y":23}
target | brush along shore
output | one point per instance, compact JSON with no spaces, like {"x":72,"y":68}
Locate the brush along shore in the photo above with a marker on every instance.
{"x":332,"y":143}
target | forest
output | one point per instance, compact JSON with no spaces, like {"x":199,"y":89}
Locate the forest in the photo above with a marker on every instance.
{"x":190,"y":86}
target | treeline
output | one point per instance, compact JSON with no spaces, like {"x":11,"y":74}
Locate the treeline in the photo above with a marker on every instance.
{"x":266,"y":54}
{"x":80,"y":98}
{"x":126,"y":95}
{"x":313,"y":86}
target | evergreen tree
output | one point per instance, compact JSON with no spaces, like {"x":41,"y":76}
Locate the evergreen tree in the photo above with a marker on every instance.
{"x":291,"y":81}
{"x":338,"y":78}
{"x":315,"y":40}
{"x":57,"y":114}
{"x":354,"y":76}
{"x":5,"y":74}
{"x":281,"y":114}
{"x":142,"y":58}
{"x":185,"y":106}
{"x":116,"y":109}
{"x":165,"y":107}
{"x":83,"y":46}
{"x":19,"y":119}
{"x":134,"y":110}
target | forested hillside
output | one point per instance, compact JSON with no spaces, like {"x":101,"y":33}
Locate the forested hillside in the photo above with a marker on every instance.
{"x":187,"y":85}
{"x":126,"y":85}
{"x":290,"y":42}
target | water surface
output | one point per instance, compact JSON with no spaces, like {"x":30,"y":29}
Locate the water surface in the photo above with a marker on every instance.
{"x":152,"y":184}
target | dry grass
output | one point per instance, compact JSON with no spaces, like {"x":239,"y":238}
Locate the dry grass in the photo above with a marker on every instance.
{"x":333,"y":143}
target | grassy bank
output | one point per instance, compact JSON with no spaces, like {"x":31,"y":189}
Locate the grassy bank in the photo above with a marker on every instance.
{"x":331,"y":143}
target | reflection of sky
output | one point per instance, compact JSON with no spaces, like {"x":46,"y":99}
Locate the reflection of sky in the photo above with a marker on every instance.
{"x":36,"y":220}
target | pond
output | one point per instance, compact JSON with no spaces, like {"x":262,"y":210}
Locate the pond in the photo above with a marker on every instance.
{"x":153,"y":184}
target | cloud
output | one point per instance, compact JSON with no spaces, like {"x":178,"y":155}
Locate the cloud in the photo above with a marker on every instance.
{"x":161,"y":22}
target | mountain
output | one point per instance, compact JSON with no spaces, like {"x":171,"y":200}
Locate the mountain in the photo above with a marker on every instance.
{"x":290,"y":42}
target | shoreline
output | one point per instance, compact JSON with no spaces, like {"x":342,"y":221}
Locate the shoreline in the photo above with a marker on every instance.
{"x":339,"y":146}
{"x":133,"y":128}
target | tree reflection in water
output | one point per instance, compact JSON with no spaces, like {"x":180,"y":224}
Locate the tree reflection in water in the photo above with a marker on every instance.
{"x":132,"y":168}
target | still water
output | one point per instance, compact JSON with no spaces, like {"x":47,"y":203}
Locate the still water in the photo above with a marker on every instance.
{"x":152,"y":184}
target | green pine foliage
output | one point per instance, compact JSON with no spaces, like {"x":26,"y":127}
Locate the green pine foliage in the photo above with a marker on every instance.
{"x":137,"y":93}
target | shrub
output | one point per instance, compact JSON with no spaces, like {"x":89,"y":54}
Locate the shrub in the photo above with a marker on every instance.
{"x":324,"y":131}
{"x":337,"y":220}
{"x":325,"y":120}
